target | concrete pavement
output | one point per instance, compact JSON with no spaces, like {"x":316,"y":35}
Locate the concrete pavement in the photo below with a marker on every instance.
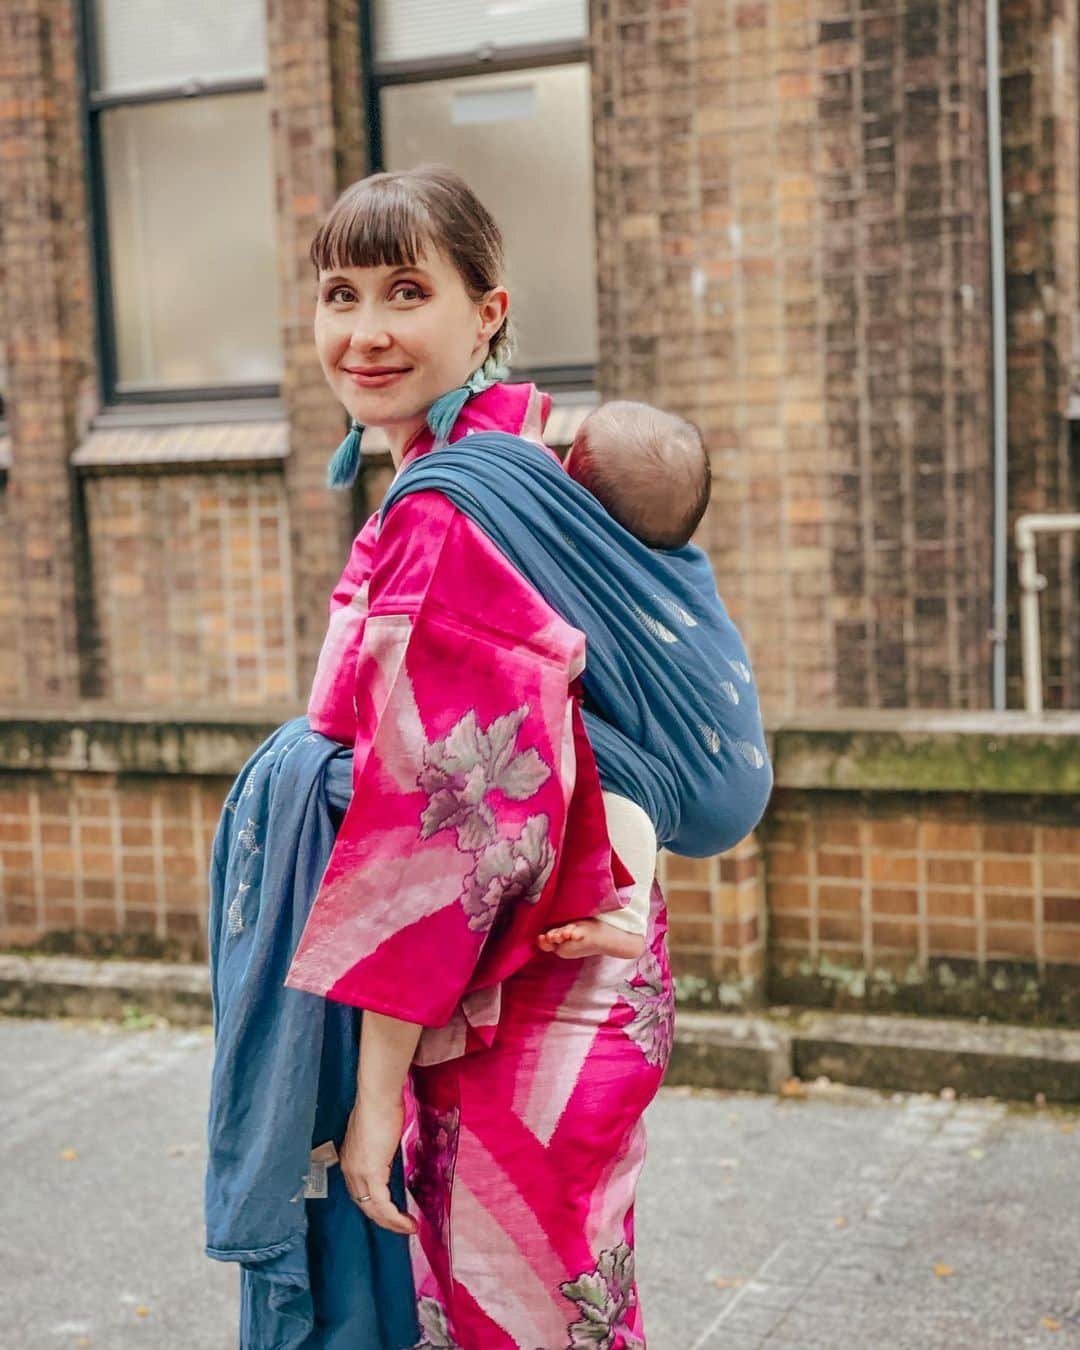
{"x":845,"y":1219}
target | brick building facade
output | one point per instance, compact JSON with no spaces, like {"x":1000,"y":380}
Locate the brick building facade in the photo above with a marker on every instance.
{"x":791,"y":216}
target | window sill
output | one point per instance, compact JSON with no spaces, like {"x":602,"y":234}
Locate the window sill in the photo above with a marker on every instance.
{"x":183,"y":436}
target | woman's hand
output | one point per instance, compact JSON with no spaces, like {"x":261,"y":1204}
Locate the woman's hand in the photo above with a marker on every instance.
{"x":367,"y":1154}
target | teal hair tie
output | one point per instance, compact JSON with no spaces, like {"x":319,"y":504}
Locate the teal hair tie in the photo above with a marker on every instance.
{"x":345,"y":465}
{"x":445,"y":411}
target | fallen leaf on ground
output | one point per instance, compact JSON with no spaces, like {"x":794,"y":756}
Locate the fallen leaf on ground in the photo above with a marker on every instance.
{"x":976,"y":1153}
{"x":948,"y":1094}
{"x":943,"y":1271}
{"x":181,"y":1150}
{"x":141,"y":1310}
{"x":68,"y":1155}
{"x":1050,"y":1323}
{"x":839,"y":1221}
{"x":793,"y":1087}
{"x":83,"y":1343}
{"x":1067,"y":1129}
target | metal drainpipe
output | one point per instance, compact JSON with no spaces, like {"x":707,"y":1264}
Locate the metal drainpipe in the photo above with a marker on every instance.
{"x":999,"y":632}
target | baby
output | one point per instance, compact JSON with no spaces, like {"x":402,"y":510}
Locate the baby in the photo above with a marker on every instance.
{"x":650,"y":471}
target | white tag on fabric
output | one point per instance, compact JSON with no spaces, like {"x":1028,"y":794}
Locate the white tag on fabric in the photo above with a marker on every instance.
{"x":322,"y":1159}
{"x":315,"y":1182}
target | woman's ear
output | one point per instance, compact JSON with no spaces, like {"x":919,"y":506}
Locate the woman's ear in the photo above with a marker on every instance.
{"x":492,"y":310}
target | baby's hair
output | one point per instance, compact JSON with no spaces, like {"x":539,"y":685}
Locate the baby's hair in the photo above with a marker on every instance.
{"x":625,"y":450}
{"x":387,"y":220}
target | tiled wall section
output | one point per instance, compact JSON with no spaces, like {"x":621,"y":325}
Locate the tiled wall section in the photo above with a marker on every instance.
{"x":925,"y":902}
{"x":107,"y":863}
{"x":716,"y":915}
{"x":192,"y":584}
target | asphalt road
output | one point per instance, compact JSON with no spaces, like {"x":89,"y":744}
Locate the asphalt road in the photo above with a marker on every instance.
{"x":844,"y":1220}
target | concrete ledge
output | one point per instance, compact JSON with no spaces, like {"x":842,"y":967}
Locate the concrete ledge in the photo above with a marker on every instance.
{"x":750,"y":1054}
{"x":921,"y":1055}
{"x":846,"y":750}
{"x":64,"y":986}
{"x":914,"y":751}
{"x":102,"y":738}
{"x":712,"y":1050}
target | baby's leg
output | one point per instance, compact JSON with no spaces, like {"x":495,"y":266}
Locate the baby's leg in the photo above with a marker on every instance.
{"x":591,"y":937}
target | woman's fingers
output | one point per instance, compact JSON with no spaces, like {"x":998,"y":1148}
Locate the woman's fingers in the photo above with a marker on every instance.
{"x":380,"y":1209}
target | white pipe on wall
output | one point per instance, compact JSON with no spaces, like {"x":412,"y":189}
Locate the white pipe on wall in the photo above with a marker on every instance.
{"x":1031,"y":583}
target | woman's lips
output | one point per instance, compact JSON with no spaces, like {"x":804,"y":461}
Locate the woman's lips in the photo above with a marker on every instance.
{"x":375,"y":378}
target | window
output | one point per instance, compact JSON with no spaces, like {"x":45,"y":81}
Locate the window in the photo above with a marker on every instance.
{"x":500,"y":91}
{"x":180,"y":146}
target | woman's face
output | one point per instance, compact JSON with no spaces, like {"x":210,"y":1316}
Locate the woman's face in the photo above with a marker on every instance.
{"x":392,"y":339}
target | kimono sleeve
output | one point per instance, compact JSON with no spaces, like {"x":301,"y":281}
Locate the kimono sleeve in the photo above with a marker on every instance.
{"x":464,"y":768}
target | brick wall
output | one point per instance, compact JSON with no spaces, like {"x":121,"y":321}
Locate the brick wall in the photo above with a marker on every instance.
{"x":48,"y":341}
{"x":192,"y":583}
{"x":963,"y":904}
{"x":956,"y":903}
{"x":1040,"y":81}
{"x":107,"y":863}
{"x":791,"y":215}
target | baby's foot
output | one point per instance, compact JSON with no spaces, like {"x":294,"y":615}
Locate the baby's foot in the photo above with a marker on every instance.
{"x":591,"y":937}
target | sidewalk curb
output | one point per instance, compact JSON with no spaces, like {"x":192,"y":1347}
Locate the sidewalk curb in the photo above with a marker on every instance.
{"x":743,"y":1052}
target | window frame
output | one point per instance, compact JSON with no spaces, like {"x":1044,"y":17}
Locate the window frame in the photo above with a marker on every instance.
{"x":488,"y":59}
{"x":95,"y":103}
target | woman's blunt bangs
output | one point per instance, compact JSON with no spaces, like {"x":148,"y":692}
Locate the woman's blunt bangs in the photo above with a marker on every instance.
{"x":391,"y":219}
{"x":377,"y":222}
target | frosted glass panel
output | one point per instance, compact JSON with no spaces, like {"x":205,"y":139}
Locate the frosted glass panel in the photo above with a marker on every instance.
{"x":523,"y":142}
{"x":410,"y":30}
{"x":192,"y":247}
{"x":147,"y":44}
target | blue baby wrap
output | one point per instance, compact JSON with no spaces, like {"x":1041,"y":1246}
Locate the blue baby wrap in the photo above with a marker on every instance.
{"x":671,"y":708}
{"x":315,"y":1274}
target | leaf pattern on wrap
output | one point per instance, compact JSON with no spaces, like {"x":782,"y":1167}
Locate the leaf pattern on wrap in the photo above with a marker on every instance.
{"x":510,"y":870}
{"x":470,"y":762}
{"x":459,"y":772}
{"x":652,"y":1026}
{"x":604,"y":1296}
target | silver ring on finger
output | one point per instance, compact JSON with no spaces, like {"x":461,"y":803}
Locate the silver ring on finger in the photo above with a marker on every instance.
{"x":362,"y":1199}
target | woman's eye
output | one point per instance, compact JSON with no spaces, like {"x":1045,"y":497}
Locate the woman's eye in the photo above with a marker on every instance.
{"x":408,"y":290}
{"x":340,"y":295}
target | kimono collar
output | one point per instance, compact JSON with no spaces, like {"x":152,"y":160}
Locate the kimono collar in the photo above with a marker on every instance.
{"x":519,"y":409}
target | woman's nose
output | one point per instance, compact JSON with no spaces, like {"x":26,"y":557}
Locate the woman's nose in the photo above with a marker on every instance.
{"x":367,"y":336}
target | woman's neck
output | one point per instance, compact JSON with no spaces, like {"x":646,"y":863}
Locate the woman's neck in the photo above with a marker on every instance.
{"x":401,"y":436}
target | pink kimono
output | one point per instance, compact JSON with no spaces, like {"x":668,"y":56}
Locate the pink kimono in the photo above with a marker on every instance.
{"x":476,"y":822}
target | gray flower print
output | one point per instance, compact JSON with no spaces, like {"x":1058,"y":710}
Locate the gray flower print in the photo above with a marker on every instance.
{"x":653,"y":1023}
{"x":435,"y":1333}
{"x":461,"y":769}
{"x":510,"y":870}
{"x":604,"y":1296}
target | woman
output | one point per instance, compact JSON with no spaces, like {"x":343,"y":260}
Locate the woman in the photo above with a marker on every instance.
{"x":476,"y":821}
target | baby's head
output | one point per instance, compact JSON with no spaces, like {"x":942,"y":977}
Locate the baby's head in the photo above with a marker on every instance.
{"x":649,"y":469}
